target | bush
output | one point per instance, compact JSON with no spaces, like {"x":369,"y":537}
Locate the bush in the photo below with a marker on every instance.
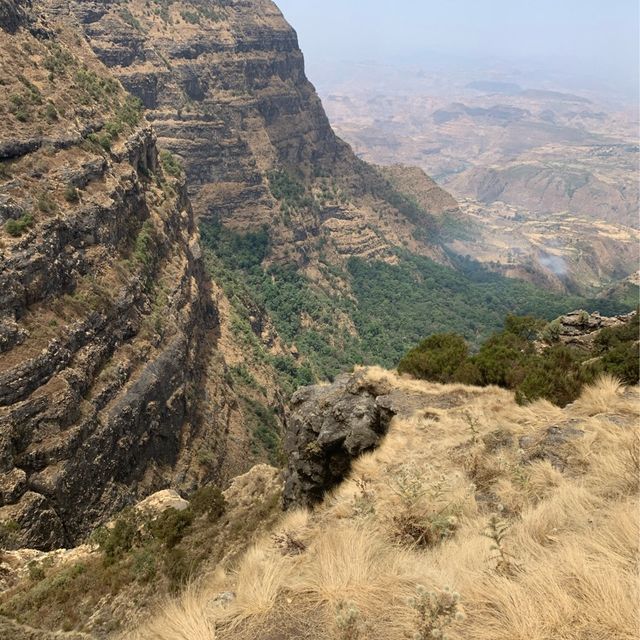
{"x":71,"y":194}
{"x":171,"y":526}
{"x":437,"y":358}
{"x":17,"y":227}
{"x":119,"y":539}
{"x":176,"y":568}
{"x":170,"y":164}
{"x":193,"y":17}
{"x":143,"y":251}
{"x":210,"y":501}
{"x":50,"y":112}
{"x":46,"y":203}
{"x":511,"y":360}
{"x":618,"y":351}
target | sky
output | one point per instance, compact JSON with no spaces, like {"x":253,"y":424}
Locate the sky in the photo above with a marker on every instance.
{"x":599,"y":38}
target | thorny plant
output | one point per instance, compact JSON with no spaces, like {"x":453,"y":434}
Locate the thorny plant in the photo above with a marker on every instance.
{"x":435,"y":611}
{"x":473,"y":424}
{"x":420,"y":521}
{"x":363,"y":502}
{"x":506,"y":563}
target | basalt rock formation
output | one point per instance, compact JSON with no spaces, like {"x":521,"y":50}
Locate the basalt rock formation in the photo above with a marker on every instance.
{"x":330,"y":426}
{"x":225,"y":88}
{"x":579,"y":329}
{"x":106,"y":317}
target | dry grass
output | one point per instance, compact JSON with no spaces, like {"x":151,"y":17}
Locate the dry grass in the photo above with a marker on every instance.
{"x":560,"y":486}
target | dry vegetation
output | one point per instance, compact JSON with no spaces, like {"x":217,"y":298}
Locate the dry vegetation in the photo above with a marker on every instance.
{"x":490,"y":521}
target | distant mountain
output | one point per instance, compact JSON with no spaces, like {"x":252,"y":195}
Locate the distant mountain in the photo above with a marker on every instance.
{"x":507,"y":88}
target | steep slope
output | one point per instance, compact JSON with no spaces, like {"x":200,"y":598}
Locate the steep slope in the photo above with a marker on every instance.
{"x":475,"y":519}
{"x":106,"y":319}
{"x":225,"y":87}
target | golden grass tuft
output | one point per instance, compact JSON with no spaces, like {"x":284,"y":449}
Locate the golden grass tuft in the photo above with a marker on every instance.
{"x":560,"y":563}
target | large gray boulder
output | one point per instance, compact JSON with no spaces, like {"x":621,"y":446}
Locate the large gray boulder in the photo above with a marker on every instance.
{"x":329,"y":426}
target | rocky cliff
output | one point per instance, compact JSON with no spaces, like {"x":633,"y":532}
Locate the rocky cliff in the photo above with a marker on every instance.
{"x":114,"y":342}
{"x":330,"y":426}
{"x":106,"y":317}
{"x":225,"y":88}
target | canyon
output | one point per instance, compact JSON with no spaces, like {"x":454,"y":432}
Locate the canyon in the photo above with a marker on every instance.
{"x":184,"y":242}
{"x":545,"y":177}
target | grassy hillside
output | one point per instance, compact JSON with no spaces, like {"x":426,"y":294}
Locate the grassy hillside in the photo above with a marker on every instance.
{"x":482,"y":521}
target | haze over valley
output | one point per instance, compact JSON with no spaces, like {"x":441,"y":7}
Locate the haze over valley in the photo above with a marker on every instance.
{"x":546,"y":177}
{"x":355,"y":363}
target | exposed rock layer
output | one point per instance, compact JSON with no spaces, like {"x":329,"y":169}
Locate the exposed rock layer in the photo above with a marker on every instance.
{"x":225,"y":88}
{"x":105,"y":314}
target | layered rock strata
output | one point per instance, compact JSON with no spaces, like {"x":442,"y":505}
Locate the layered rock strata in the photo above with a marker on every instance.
{"x":105,"y":314}
{"x":225,"y":87}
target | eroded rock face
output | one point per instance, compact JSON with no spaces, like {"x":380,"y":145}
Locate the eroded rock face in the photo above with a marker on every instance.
{"x":328,"y":427}
{"x":12,"y":14}
{"x":106,"y":319}
{"x":225,"y":88}
{"x":579,"y":329}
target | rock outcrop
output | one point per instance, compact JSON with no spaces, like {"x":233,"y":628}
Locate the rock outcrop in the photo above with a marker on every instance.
{"x":329,"y":426}
{"x":579,"y":329}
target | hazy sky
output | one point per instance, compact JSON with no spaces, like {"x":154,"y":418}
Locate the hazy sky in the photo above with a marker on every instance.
{"x":597,"y":37}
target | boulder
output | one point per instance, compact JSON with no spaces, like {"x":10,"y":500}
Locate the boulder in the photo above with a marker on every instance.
{"x":329,"y":426}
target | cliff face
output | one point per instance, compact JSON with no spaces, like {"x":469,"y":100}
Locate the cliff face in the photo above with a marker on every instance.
{"x":105,"y":314}
{"x":114,"y":343}
{"x":225,"y":87}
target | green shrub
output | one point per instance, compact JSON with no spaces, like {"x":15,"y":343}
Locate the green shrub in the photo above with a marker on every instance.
{"x":50,"y":112}
{"x":193,"y":17}
{"x":145,"y":243}
{"x":19,"y":107}
{"x":176,"y":568}
{"x":46,"y":203}
{"x":36,"y":571}
{"x":130,"y":19}
{"x":617,"y":348}
{"x":71,"y":194}
{"x":556,"y":374}
{"x":170,"y":164}
{"x":285,"y":187}
{"x":102,"y":140}
{"x":130,"y":111}
{"x":94,"y":87}
{"x":171,"y":526}
{"x":113,"y":129}
{"x":114,"y":542}
{"x":210,"y":501}
{"x":436,"y":358}
{"x":9,"y":534}
{"x":511,"y":359}
{"x":17,"y":227}
{"x":58,"y":60}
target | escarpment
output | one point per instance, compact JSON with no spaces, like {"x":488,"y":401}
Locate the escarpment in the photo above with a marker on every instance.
{"x":106,"y":316}
{"x":225,"y":87}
